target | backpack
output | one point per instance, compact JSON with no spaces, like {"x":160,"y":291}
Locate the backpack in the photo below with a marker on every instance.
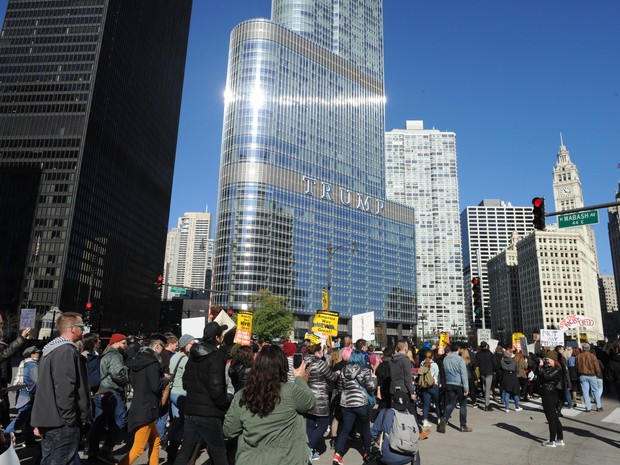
{"x":404,"y":433}
{"x":425,"y":377}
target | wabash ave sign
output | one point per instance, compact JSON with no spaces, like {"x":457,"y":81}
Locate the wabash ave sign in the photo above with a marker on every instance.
{"x":327,"y":191}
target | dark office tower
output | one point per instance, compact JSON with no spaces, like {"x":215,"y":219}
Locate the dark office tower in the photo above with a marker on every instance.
{"x":613,"y":228}
{"x":302,"y":183}
{"x":90,"y":93}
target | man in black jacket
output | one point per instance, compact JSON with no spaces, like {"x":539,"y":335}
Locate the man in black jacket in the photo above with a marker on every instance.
{"x":613,"y":368}
{"x":487,"y":364}
{"x":207,"y":401}
{"x":62,"y":403}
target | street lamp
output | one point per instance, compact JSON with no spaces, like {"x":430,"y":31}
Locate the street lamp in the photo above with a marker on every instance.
{"x":331,"y":250}
{"x":422,"y":318}
{"x":454,"y":327}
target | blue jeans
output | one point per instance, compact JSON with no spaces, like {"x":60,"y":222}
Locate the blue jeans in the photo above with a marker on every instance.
{"x":59,"y":446}
{"x":515,"y":397}
{"x":315,"y":429}
{"x":568,"y":397}
{"x":22,"y":420}
{"x":455,"y":393}
{"x":590,"y":383}
{"x":211,"y":431}
{"x":427,"y":395}
{"x":111,"y":411}
{"x":177,"y":402}
{"x":160,"y":423}
{"x":349,"y":415}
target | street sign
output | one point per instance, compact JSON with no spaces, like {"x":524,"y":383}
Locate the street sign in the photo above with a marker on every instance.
{"x":578,"y":219}
{"x":178,"y":290}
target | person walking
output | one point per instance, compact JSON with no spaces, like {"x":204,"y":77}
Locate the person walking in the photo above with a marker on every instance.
{"x":565,"y":383}
{"x":457,"y":385}
{"x":177,"y":396}
{"x":25,"y":396}
{"x":62,"y":403}
{"x":521,"y":362}
{"x":471,"y":376}
{"x":267,"y":414}
{"x":510,"y":381}
{"x":148,"y":381}
{"x":486,"y":362}
{"x":588,"y":369}
{"x":550,"y":374}
{"x":110,"y":400}
{"x":430,"y":393}
{"x":356,"y":384}
{"x":207,"y":400}
{"x":320,"y":381}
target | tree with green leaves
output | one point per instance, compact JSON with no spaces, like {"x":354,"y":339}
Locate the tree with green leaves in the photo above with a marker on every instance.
{"x":272,"y":319}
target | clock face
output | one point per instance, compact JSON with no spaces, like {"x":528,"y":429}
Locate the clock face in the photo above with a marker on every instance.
{"x":565,"y":191}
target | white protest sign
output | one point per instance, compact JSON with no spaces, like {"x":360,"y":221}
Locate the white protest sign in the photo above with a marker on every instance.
{"x":484,"y":335}
{"x":364,"y":326}
{"x":493,"y":344}
{"x":551,"y":337}
{"x":222,"y":318}
{"x":27,"y":318}
{"x":193,"y":326}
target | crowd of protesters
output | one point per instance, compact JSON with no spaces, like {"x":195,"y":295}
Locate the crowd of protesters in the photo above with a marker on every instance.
{"x":276,"y":403}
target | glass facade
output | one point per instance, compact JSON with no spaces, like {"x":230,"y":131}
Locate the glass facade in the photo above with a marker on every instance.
{"x":302,"y":168}
{"x":90,"y":95}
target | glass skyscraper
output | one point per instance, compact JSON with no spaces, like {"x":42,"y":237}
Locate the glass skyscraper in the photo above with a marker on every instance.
{"x":302,"y":181}
{"x":90,"y":94}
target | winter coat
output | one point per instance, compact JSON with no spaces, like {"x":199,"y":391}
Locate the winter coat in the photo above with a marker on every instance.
{"x":93,"y":365}
{"x":63,"y":394}
{"x":549,"y":377}
{"x":587,"y":364}
{"x":400,"y":374}
{"x":113,"y":372}
{"x":612,"y":374}
{"x":205,"y":382}
{"x":486,"y":362}
{"x":277,"y":438}
{"x":320,"y":382}
{"x":383,"y":382}
{"x":10,"y":350}
{"x":351,"y":383}
{"x":148,"y":383}
{"x":510,"y":382}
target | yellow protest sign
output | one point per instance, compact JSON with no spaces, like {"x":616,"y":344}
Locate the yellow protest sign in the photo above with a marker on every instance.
{"x":243,"y":335}
{"x":516,"y":341}
{"x":326,"y":322}
{"x":313,"y":338}
{"x":444,"y":341}
{"x":325,"y":299}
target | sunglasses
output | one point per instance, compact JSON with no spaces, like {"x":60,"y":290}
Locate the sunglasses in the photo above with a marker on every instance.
{"x":79,"y":325}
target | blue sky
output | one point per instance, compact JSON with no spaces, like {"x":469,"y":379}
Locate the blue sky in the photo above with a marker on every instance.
{"x":506,"y":76}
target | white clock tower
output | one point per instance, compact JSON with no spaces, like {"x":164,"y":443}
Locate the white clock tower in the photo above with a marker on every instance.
{"x":567,"y":190}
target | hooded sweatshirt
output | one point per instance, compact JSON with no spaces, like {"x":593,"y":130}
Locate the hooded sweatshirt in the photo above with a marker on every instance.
{"x":400,"y":373}
{"x":63,"y":394}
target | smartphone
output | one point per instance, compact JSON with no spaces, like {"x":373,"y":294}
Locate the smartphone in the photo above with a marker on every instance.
{"x":297,"y":358}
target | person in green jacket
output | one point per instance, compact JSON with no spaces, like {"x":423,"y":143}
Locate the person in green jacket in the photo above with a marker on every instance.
{"x":267,"y":414}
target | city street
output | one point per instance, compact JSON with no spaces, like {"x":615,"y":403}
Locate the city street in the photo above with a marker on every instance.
{"x":498,"y":438}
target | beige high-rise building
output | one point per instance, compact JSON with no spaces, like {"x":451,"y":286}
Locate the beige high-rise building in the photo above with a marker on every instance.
{"x":187,"y":253}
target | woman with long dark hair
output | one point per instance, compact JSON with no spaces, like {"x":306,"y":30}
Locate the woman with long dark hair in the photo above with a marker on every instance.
{"x":240,"y":367}
{"x":266,"y":414}
{"x":549,"y":374}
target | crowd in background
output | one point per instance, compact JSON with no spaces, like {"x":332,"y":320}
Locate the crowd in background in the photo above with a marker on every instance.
{"x":279,"y":402}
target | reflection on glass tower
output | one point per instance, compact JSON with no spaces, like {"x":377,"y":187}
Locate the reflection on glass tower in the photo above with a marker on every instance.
{"x":302,"y":166}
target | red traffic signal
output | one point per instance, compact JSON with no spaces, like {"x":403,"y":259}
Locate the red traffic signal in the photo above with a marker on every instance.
{"x":475,"y":281}
{"x":476,"y":296}
{"x":89,"y":305}
{"x":538,"y":210}
{"x":230,"y":312}
{"x":160,"y":281}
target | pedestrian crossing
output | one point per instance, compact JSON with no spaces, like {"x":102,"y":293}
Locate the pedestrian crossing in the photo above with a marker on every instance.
{"x":614,"y":417}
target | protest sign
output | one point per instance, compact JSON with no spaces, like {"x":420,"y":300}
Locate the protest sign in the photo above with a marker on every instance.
{"x":364,"y":326}
{"x":27,"y":318}
{"x":325,"y":322}
{"x":444,"y":341}
{"x":222,"y":318}
{"x":516,"y":341}
{"x":551,"y":337}
{"x":313,"y":338}
{"x":574,"y":321}
{"x":243,"y":335}
{"x":493,"y":345}
{"x":484,"y":335}
{"x":194,"y":326}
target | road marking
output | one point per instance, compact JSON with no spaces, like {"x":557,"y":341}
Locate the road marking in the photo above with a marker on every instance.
{"x":613,"y":418}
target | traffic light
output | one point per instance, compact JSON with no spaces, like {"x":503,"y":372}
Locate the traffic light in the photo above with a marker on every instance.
{"x":476,"y":297}
{"x":86,"y":317}
{"x":89,"y":305}
{"x":230,"y":312}
{"x":538,"y":211}
{"x":160,"y":281}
